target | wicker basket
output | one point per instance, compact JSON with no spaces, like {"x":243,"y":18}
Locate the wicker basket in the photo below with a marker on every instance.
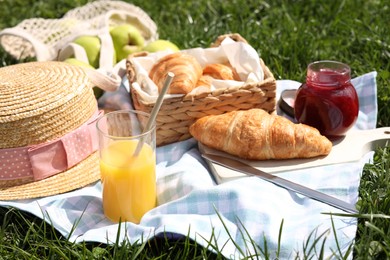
{"x":178,"y":113}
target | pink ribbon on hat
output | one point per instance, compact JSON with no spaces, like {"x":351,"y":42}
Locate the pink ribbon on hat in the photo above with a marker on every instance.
{"x":47,"y":159}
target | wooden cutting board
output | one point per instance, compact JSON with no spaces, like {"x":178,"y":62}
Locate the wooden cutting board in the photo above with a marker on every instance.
{"x":351,"y":148}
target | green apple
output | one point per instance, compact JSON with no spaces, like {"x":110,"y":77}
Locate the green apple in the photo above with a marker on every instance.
{"x":127,"y":39}
{"x":160,"y":45}
{"x":98,"y":92}
{"x":77,"y":62}
{"x":91,"y":45}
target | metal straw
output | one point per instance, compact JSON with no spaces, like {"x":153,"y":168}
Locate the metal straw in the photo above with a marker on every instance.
{"x":155,"y":110}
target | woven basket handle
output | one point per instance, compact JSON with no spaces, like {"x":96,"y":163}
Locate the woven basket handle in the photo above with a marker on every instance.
{"x":131,"y":74}
{"x":234,"y":36}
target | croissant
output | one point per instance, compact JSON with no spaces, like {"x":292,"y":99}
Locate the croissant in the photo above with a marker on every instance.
{"x":216,"y":71}
{"x":186,"y":68}
{"x":220,"y":71}
{"x":255,"y":134}
{"x":204,"y":81}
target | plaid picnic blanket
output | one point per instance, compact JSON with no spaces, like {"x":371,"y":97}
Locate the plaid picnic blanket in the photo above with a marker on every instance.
{"x":229,"y":215}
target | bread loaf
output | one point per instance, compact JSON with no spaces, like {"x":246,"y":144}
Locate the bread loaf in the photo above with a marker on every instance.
{"x":255,"y":134}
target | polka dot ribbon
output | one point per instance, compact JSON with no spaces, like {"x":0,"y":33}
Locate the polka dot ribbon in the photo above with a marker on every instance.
{"x":47,"y":159}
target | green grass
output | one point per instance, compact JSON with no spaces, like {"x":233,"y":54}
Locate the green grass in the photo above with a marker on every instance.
{"x":288,"y":35}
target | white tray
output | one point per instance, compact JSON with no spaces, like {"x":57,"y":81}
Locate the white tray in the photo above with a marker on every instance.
{"x":350,"y":148}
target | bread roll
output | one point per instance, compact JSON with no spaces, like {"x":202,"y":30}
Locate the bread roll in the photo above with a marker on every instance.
{"x":186,"y":68}
{"x":255,"y":134}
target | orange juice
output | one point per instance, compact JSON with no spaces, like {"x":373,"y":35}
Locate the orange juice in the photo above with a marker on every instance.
{"x":129,"y":183}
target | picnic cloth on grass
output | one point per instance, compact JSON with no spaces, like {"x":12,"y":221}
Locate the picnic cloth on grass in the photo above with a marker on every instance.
{"x":229,"y":215}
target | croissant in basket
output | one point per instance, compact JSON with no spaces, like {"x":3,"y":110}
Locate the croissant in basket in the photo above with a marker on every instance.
{"x":255,"y":134}
{"x":186,"y":68}
{"x":220,"y":71}
{"x":217,"y":71}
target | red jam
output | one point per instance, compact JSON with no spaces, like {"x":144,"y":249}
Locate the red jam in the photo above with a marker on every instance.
{"x":327,"y":101}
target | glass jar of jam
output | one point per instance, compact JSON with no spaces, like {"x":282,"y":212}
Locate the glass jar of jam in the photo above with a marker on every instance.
{"x":327,"y":100}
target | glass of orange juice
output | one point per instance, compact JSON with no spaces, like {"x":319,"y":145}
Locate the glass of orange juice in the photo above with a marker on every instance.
{"x":127,"y":165}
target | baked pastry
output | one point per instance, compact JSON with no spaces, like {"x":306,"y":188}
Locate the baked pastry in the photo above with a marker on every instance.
{"x":255,"y":134}
{"x":216,"y":71}
{"x":186,"y":68}
{"x":220,"y":71}
{"x":204,"y":81}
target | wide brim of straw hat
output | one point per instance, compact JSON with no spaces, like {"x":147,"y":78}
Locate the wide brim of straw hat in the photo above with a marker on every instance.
{"x":81,"y":175}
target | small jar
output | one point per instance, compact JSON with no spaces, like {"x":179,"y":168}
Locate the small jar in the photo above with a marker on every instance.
{"x":327,"y":100}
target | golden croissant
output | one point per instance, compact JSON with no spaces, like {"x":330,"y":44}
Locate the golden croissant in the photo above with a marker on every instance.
{"x":220,"y":71}
{"x":254,"y":134}
{"x":186,"y":68}
{"x":216,"y":71}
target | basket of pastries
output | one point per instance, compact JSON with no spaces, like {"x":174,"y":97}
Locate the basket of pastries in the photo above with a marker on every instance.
{"x":227,"y":76}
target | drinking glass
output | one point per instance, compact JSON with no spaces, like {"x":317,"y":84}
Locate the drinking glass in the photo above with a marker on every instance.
{"x":127,"y":165}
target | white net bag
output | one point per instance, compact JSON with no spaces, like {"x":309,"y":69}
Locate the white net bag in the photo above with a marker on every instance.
{"x":52,"y":39}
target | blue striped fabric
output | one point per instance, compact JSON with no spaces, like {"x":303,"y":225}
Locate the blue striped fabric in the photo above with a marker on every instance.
{"x":191,"y":204}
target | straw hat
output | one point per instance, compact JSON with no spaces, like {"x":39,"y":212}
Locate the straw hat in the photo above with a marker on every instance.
{"x":47,"y":143}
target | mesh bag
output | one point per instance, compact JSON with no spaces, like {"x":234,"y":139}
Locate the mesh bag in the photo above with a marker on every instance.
{"x":50,"y":39}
